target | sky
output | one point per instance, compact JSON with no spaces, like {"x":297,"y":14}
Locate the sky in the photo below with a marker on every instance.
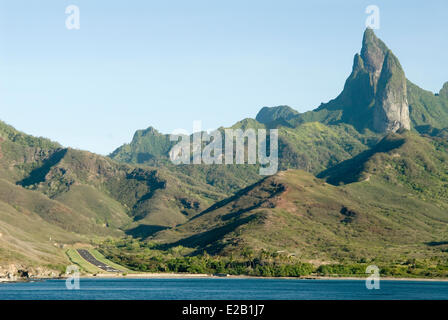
{"x":134,"y":64}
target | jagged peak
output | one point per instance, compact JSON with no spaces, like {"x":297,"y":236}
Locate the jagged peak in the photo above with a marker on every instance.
{"x":370,"y":39}
{"x":375,"y":94}
{"x":145,"y":132}
{"x":373,"y":52}
{"x":391,"y":64}
{"x":358,"y":63}
{"x":444,"y":91}
{"x":269,"y":114}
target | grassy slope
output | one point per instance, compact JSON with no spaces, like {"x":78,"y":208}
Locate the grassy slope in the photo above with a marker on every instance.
{"x":110,"y":193}
{"x":105,"y":194}
{"x":28,"y":239}
{"x":314,"y":146}
{"x":33,"y":202}
{"x":95,"y":206}
{"x":310,"y":146}
{"x":375,"y":218}
{"x":85,"y":193}
{"x":72,"y":193}
{"x":426,"y":108}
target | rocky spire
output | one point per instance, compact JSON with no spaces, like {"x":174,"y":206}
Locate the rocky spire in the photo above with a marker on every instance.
{"x":391,"y":111}
{"x":375,"y":94}
{"x":373,"y":53}
{"x":444,"y":91}
{"x":388,"y":81}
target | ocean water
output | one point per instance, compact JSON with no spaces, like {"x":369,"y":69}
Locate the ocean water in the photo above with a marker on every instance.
{"x":223,"y":289}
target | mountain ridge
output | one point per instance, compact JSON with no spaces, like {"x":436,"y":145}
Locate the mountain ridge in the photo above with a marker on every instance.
{"x":342,"y":168}
{"x":376,"y":99}
{"x":309,"y":218}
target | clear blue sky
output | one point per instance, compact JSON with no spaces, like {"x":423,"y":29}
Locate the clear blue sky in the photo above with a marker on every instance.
{"x":135,"y":64}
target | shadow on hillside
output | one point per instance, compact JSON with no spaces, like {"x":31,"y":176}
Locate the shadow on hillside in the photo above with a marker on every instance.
{"x":350,"y":170}
{"x":144,"y":231}
{"x":38,"y":175}
{"x":226,"y":201}
{"x":436,"y":243}
{"x":209,"y":240}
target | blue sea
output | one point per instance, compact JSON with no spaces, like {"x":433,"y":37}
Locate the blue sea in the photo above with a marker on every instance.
{"x":223,"y":289}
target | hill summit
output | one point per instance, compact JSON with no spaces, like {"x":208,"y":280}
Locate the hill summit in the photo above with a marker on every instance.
{"x":375,"y":93}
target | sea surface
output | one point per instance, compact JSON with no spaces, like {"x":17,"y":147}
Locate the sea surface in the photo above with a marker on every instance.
{"x":223,"y":289}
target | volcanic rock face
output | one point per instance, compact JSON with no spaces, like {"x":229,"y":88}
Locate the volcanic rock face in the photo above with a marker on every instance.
{"x":444,"y":91}
{"x":391,"y":110}
{"x":388,"y":81}
{"x":373,"y":53}
{"x":375,"y":93}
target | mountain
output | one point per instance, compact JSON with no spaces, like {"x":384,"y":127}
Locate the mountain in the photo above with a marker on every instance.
{"x":27,"y":232}
{"x":374,"y":96}
{"x":74,"y":195}
{"x":376,"y":99}
{"x":427,"y":108}
{"x":146,"y":145}
{"x":443,"y":93}
{"x":378,"y":184}
{"x":268,"y":115}
{"x":362,"y":177}
{"x":28,"y":235}
{"x":397,"y":198}
{"x":416,"y":162}
{"x":311,"y":146}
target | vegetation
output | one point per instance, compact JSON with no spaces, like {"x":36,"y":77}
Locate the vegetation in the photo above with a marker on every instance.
{"x":410,"y":268}
{"x":98,"y":256}
{"x":145,"y":257}
{"x":347,"y":195}
{"x":281,"y":113}
{"x":337,"y":224}
{"x":9,"y":133}
{"x":426,"y":108}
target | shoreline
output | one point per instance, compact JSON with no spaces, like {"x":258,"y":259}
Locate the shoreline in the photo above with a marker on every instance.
{"x":210,"y":276}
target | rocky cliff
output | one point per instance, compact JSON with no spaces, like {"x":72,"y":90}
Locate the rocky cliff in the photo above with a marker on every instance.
{"x":18,"y":272}
{"x":374,"y":95}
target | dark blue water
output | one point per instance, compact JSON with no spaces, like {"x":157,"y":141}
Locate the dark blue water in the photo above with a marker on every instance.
{"x":223,"y":289}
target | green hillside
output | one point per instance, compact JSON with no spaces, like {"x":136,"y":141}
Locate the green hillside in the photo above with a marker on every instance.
{"x":389,"y":215}
{"x":27,"y":235}
{"x":427,"y":108}
{"x":311,"y":146}
{"x":362,"y":178}
{"x":374,"y":93}
{"x":77,"y":196}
